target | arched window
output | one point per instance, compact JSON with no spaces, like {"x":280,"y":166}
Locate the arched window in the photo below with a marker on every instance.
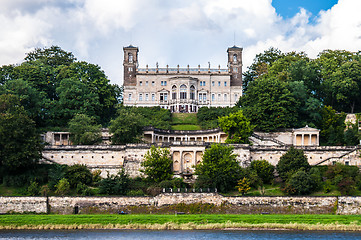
{"x":174,"y":92}
{"x":192,"y":92}
{"x":235,"y":58}
{"x":183,"y":91}
{"x":130,"y":57}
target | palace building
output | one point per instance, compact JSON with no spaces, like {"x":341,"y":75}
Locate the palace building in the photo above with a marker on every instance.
{"x":182,"y":89}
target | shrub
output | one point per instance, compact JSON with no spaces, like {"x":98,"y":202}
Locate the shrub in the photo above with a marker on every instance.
{"x":174,"y":183}
{"x":264,"y":170}
{"x":243,"y":186}
{"x":78,"y":173}
{"x":115,"y":184}
{"x":83,"y":190}
{"x":291,"y":162}
{"x":133,"y":193}
{"x":347,"y":186}
{"x":62,"y":187}
{"x":33,"y":189}
{"x":327,"y":186}
{"x":56,"y":173}
{"x":299,"y":183}
{"x":96,"y":176}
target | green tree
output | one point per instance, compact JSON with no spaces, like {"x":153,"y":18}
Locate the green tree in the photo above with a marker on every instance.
{"x":126,"y":128}
{"x":219,"y":165}
{"x":237,"y":126}
{"x":157,"y":164}
{"x":352,"y":135}
{"x":95,"y":79}
{"x":34,"y":102}
{"x":74,"y":98}
{"x":78,"y":173}
{"x":269,"y":104}
{"x":243,"y":186}
{"x":20,"y":144}
{"x":52,"y":56}
{"x":115,"y":184}
{"x":300,"y":183}
{"x":332,"y":127}
{"x":62,"y":187}
{"x":34,"y":189}
{"x":260,"y":65}
{"x":83,"y":130}
{"x":346,"y":85}
{"x":264,"y":170}
{"x":292,"y":161}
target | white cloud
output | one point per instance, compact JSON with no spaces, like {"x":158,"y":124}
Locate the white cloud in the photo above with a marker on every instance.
{"x":170,"y":32}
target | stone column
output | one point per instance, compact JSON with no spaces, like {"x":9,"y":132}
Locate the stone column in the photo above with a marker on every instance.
{"x":181,"y":160}
{"x":303,"y":139}
{"x":310,"y":140}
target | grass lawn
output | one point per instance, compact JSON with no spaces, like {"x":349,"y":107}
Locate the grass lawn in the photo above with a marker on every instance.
{"x":184,"y":118}
{"x":201,"y":221}
{"x":11,"y":191}
{"x":185,"y":121}
{"x":186,"y":127}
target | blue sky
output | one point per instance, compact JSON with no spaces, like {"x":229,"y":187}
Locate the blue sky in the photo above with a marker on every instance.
{"x":176,"y":31}
{"x":289,"y":8}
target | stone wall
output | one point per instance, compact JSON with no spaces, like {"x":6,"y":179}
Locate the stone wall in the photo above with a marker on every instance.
{"x":185,"y":155}
{"x":23,"y":205}
{"x":168,"y":202}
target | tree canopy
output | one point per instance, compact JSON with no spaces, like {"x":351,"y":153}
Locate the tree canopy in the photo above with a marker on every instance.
{"x":219,"y":167}
{"x":157,"y":164}
{"x":237,"y":126}
{"x":20,"y":144}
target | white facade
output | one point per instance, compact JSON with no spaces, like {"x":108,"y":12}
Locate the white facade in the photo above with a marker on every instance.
{"x":182,"y":89}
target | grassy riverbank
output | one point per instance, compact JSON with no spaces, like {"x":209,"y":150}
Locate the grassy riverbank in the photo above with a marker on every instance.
{"x":186,"y":222}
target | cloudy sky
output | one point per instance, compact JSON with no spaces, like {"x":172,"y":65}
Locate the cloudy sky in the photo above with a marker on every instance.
{"x":176,"y":31}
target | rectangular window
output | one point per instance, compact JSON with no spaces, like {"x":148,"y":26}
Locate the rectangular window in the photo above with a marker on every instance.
{"x":152,"y":83}
{"x":219,"y":97}
{"x":146,"y":97}
{"x":225,"y":97}
{"x":235,"y":69}
{"x":153,"y":97}
{"x":140,"y":83}
{"x":140,"y":97}
{"x":200,"y":97}
{"x":225,"y":83}
{"x":204,"y":83}
{"x":235,"y":97}
{"x":212,"y":83}
{"x":204,"y":97}
{"x":146,"y":83}
{"x":130,"y":69}
{"x":165,"y":83}
{"x":163,"y":96}
{"x":219,"y":83}
{"x":130,"y":97}
{"x":161,"y":83}
{"x":213,"y":97}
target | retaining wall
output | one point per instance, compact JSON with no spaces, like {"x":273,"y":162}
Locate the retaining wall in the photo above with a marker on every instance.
{"x":170,"y":202}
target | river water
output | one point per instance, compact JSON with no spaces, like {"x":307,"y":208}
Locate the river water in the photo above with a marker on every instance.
{"x":176,"y":235}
